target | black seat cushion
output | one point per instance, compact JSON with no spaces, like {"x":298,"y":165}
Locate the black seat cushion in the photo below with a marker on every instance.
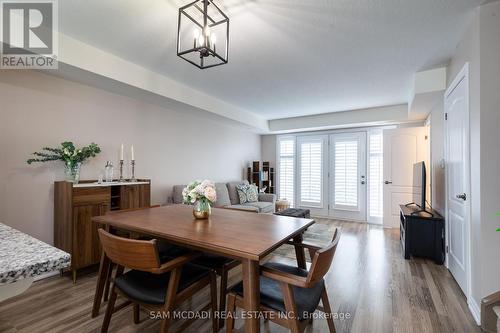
{"x":212,"y":261}
{"x":307,"y":299}
{"x":151,"y":288}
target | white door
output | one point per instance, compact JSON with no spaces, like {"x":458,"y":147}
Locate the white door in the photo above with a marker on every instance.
{"x":348,"y":181}
{"x":403,"y":147}
{"x":457,"y":176}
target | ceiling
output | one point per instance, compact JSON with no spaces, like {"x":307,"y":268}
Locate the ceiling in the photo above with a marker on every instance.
{"x":287,"y":57}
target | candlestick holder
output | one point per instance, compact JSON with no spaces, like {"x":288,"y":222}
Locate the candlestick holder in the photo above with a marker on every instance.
{"x":121,"y":171}
{"x":133,"y":171}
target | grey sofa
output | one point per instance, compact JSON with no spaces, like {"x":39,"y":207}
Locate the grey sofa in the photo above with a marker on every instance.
{"x":227,"y":197}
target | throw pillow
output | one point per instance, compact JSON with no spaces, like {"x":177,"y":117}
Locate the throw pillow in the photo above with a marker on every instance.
{"x":247,"y":193}
{"x":252,"y":193}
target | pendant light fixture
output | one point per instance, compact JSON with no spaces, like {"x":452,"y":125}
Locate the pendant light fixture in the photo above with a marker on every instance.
{"x":203,"y":34}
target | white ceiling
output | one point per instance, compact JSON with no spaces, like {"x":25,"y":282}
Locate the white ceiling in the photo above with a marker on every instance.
{"x":287,"y":57}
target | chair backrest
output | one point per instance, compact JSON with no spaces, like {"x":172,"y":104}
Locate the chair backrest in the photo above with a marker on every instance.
{"x":322,"y":260}
{"x":135,"y":254}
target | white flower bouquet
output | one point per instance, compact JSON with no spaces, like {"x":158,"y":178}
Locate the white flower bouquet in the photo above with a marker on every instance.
{"x":199,"y":191}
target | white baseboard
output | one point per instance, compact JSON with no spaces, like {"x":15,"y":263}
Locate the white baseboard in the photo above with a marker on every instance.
{"x":475,"y":310}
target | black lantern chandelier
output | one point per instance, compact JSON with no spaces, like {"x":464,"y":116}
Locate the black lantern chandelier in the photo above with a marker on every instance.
{"x":203,"y":34}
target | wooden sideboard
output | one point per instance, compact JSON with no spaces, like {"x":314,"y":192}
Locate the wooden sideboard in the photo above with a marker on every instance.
{"x":76,"y":204}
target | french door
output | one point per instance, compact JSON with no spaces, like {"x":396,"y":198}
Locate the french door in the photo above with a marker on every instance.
{"x":348,"y":182}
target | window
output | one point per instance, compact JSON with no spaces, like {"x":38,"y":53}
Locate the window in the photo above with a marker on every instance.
{"x":346,"y":173}
{"x":376,"y":173}
{"x":311,"y":171}
{"x":287,"y":169}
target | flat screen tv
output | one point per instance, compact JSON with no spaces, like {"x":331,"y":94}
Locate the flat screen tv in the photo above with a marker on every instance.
{"x":419,"y":184}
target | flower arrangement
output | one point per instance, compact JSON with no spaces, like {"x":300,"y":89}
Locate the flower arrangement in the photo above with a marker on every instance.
{"x":202,"y":195}
{"x":199,"y":191}
{"x":68,"y":153}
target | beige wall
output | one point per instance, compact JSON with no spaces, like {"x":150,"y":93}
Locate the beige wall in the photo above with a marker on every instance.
{"x":172,"y":147}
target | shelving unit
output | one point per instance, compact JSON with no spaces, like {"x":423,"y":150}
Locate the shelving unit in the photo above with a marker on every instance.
{"x":262,"y":177}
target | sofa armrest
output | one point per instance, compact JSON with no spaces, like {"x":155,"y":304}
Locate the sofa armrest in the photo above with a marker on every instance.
{"x":267,"y":197}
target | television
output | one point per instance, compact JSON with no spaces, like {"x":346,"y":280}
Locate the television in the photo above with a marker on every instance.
{"x":419,"y":184}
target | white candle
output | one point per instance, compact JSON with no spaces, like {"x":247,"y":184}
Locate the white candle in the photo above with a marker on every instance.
{"x":132,"y":153}
{"x":121,"y":153}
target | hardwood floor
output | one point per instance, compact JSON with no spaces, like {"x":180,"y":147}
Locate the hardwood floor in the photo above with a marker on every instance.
{"x":370,"y":284}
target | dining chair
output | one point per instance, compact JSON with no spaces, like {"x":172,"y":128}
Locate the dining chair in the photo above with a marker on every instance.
{"x":156,"y":286}
{"x":289,"y":294}
{"x":165,"y":249}
{"x":221,"y":266}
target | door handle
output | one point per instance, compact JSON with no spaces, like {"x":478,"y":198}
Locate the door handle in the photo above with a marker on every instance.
{"x":387,"y":182}
{"x":363,"y":182}
{"x":462,"y":196}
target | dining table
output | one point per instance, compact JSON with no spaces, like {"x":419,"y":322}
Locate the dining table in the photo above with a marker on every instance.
{"x":245,"y":236}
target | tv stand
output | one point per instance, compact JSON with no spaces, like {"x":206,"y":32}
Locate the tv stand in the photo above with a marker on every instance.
{"x":419,"y":209}
{"x":422,"y":235}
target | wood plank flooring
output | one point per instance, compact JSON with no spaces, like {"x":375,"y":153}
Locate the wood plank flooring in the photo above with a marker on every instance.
{"x":370,"y":284}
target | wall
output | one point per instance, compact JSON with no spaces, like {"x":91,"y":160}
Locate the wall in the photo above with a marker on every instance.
{"x":437,"y":155}
{"x":468,"y":52}
{"x":172,"y":147}
{"x":269,"y":149}
{"x":490,"y":152}
{"x":480,"y":48}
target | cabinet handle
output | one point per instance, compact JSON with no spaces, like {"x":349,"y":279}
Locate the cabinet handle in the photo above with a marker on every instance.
{"x":387,"y":182}
{"x":462,"y":196}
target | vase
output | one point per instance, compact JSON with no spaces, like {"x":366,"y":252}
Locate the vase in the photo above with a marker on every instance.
{"x":202,"y":209}
{"x":72,"y":172}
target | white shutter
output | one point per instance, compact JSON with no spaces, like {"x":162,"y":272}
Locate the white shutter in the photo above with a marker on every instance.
{"x":346,"y":173}
{"x":375,"y":166}
{"x":286,"y":170}
{"x":311,"y":172}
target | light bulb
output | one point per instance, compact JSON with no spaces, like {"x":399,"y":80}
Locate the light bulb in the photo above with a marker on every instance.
{"x":196,"y":33}
{"x":201,"y":40}
{"x":213,"y":38}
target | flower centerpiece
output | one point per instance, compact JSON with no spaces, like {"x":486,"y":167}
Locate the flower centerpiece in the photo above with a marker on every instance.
{"x":202,"y":195}
{"x":73,"y":157}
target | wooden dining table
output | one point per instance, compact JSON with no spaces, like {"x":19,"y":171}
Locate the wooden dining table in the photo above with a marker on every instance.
{"x":247,"y":237}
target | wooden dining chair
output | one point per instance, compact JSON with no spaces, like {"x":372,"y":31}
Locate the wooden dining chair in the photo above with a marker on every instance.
{"x":166,"y":250}
{"x":291,"y":294}
{"x":221,"y":266}
{"x":151,"y":284}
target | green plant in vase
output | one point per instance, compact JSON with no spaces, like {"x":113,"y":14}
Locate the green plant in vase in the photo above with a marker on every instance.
{"x":71,"y":156}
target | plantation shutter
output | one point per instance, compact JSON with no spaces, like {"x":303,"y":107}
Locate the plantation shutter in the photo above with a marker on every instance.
{"x":311,"y":172}
{"x":346,"y":173}
{"x":287,"y":170}
{"x":375,"y":175}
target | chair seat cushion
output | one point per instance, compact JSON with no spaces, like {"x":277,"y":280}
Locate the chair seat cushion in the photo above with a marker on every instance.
{"x":151,"y":288}
{"x":307,"y":299}
{"x":212,"y":261}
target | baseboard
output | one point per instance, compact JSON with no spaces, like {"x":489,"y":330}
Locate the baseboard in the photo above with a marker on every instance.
{"x":475,"y":310}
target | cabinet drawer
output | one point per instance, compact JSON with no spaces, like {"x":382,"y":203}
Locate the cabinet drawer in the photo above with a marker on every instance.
{"x":91,"y":195}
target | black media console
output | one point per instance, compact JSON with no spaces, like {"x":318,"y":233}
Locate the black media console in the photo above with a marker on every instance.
{"x":422,"y":233}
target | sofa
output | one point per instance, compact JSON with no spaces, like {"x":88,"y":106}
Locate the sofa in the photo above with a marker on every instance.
{"x":227,"y":197}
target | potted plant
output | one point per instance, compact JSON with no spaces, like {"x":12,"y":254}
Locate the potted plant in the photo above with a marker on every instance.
{"x":201,"y":195}
{"x":73,"y":157}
